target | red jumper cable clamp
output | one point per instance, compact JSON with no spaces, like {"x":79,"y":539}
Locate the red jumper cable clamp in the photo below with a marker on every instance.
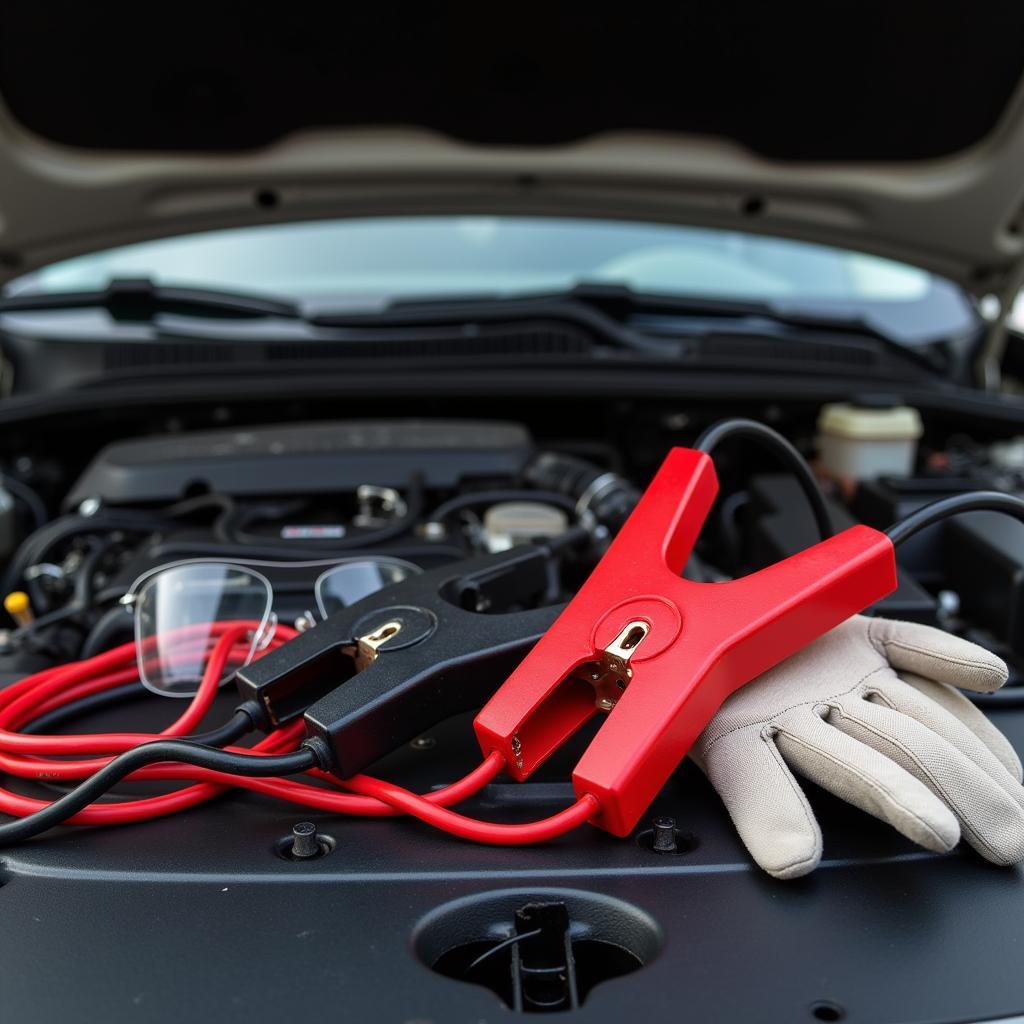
{"x":659,"y":653}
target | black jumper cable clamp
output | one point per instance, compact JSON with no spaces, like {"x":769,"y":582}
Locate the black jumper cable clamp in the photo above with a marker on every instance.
{"x":379,"y":673}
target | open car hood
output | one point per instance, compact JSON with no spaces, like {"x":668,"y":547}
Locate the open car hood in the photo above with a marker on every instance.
{"x":890,"y":129}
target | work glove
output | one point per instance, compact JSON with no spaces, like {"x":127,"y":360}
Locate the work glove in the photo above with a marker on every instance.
{"x":868,"y":712}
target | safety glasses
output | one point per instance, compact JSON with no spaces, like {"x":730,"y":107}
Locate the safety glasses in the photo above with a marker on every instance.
{"x":177,"y":606}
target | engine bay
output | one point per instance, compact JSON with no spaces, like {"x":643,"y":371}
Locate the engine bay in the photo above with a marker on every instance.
{"x":429,"y":491}
{"x":85,"y":523}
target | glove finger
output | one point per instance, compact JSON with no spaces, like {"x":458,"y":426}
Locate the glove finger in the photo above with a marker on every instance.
{"x":766,"y":804}
{"x":936,"y":654}
{"x":866,"y":779}
{"x":950,"y":714}
{"x":990,"y":819}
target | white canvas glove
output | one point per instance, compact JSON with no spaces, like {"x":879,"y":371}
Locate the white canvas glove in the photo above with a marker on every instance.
{"x":869,"y":713}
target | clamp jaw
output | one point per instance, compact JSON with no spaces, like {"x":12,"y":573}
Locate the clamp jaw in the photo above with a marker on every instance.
{"x":377,"y":674}
{"x":659,"y":654}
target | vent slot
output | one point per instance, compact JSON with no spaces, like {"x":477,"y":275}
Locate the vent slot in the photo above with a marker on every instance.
{"x":760,"y":350}
{"x":120,"y":357}
{"x":473,"y":341}
{"x":541,"y":339}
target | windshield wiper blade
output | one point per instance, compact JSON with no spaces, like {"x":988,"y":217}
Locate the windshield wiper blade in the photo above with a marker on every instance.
{"x":622,"y":301}
{"x":615,"y":301}
{"x":625,"y":300}
{"x":615,"y":310}
{"x":140,"y":299}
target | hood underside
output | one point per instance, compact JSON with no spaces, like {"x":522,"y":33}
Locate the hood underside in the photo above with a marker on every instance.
{"x":891,"y":129}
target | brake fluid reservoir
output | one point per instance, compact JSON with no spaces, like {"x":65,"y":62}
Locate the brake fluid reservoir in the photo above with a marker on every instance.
{"x":861,"y":442}
{"x":518,"y":522}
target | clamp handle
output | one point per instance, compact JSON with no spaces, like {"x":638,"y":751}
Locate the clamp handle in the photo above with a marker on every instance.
{"x":380,"y":672}
{"x":659,"y":653}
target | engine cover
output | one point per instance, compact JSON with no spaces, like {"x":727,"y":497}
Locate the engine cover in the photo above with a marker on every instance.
{"x":307,"y":458}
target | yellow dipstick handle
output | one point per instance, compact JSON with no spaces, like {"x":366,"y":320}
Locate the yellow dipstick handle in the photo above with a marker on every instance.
{"x":18,"y":606}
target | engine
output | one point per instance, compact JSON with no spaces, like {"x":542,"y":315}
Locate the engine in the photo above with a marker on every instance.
{"x":296,"y":499}
{"x":292,"y":500}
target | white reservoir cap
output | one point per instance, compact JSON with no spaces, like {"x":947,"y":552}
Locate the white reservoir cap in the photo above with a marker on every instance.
{"x":863,"y":423}
{"x":517,"y":522}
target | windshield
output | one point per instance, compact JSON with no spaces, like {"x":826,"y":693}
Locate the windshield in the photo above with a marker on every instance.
{"x":382,"y":259}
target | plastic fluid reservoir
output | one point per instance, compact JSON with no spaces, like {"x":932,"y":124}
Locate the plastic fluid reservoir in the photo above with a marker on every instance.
{"x":862,"y":442}
{"x":518,"y":522}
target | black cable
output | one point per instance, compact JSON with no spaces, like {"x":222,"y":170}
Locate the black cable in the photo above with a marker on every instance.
{"x":114,"y":626}
{"x":944,"y":508}
{"x":462,"y":501}
{"x":974,"y":501}
{"x":82,"y":593}
{"x":229,"y":526}
{"x":80,"y":601}
{"x":36,"y":546}
{"x":728,"y":516}
{"x":170,"y":550}
{"x":54,"y":720}
{"x":213,"y":499}
{"x":68,"y":611}
{"x":786,"y":453}
{"x":233,"y":729}
{"x":227,"y":733}
{"x":157,"y":752}
{"x":28,"y":497}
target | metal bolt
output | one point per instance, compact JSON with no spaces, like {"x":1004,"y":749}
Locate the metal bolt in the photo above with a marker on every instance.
{"x":89,"y":507}
{"x":305,"y":841}
{"x":665,"y":835}
{"x":423,"y":743}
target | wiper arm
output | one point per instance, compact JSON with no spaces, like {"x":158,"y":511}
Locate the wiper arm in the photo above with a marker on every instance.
{"x":783,"y":316}
{"x":615,"y":301}
{"x":481,"y":308}
{"x":623,"y":300}
{"x":615,"y":310}
{"x":140,"y":299}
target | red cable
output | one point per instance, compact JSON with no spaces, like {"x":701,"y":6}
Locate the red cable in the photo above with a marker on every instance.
{"x":495,"y":834}
{"x":20,"y":702}
{"x":36,"y":695}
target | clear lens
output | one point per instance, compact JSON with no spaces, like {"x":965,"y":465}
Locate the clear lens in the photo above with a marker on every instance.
{"x":349,"y":582}
{"x":175,"y":612}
